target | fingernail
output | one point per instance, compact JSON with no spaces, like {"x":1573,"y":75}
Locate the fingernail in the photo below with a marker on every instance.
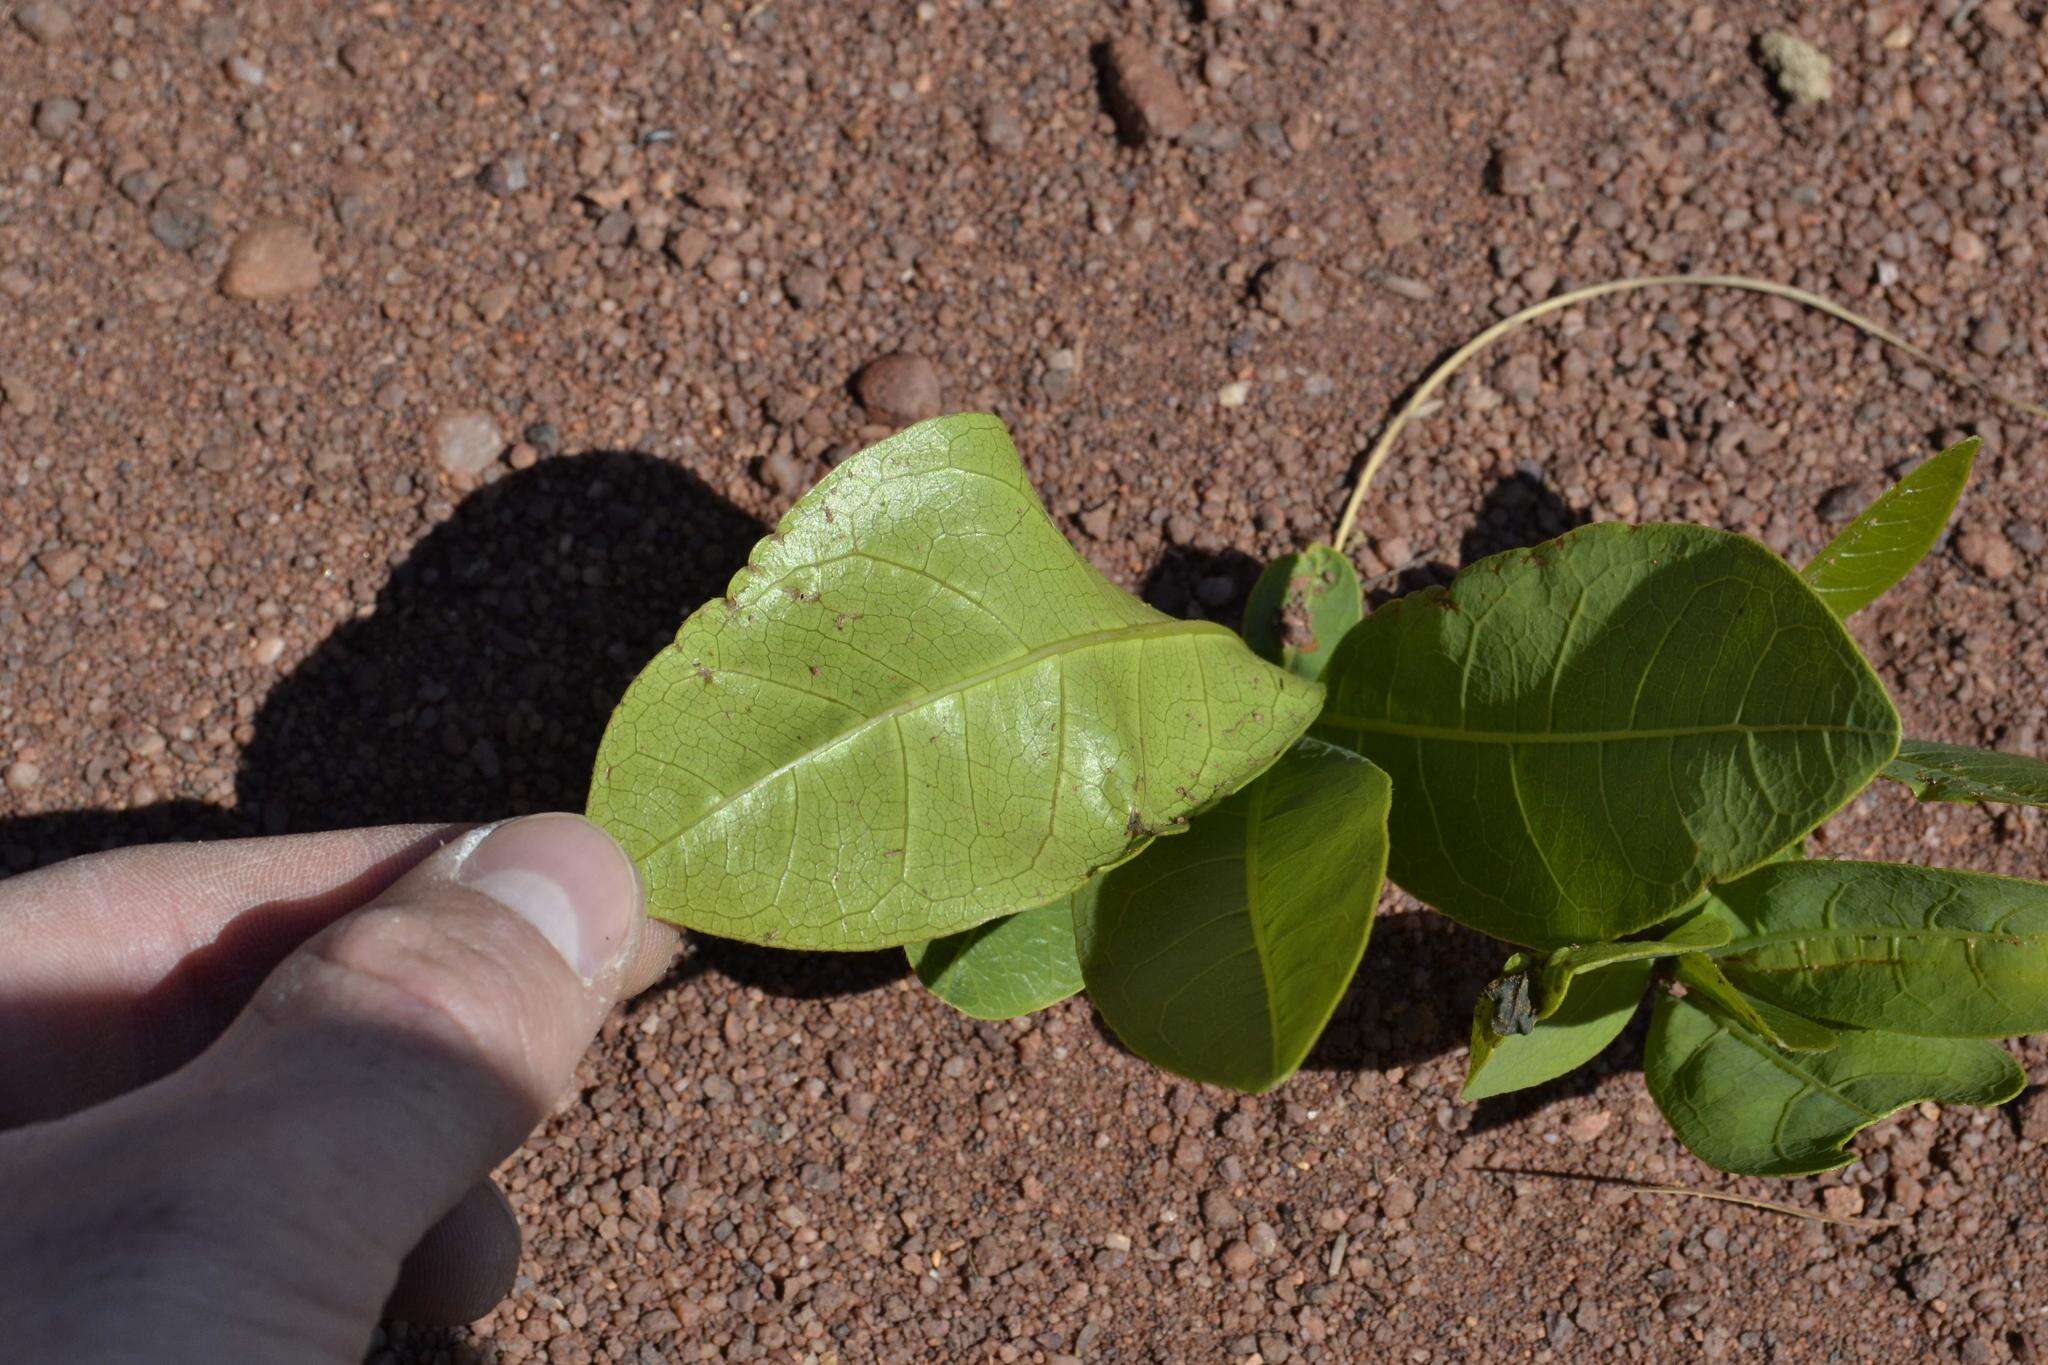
{"x":568,"y":879}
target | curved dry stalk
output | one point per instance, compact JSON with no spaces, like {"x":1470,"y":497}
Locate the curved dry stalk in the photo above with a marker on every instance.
{"x":1719,"y":1196}
{"x":1385,"y":444}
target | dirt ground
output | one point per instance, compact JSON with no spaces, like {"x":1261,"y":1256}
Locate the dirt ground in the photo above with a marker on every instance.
{"x":381,"y":384}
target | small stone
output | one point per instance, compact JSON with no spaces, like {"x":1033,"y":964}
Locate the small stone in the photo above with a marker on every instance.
{"x":1844,"y":501}
{"x":1234,"y":395}
{"x":57,"y":116}
{"x":1239,"y":1259}
{"x":689,"y":246}
{"x":495,"y":304}
{"x":1991,"y":336}
{"x":1399,"y":1199}
{"x":46,"y":21}
{"x":543,"y":436}
{"x":23,"y":775}
{"x":1098,"y":521}
{"x":1001,"y":129}
{"x":1216,"y":11}
{"x":1415,"y":291}
{"x":1842,"y":1201}
{"x":723,"y":268}
{"x":1520,"y":377}
{"x":1966,"y":246}
{"x":140,"y":186}
{"x":359,"y":57}
{"x":243,"y":71}
{"x":1517,"y":173}
{"x":1683,"y":1305}
{"x":1143,"y":96}
{"x":274,"y":259}
{"x":466,"y":443}
{"x":1220,"y":1211}
{"x":17,"y":393}
{"x":1589,"y":1127}
{"x":1398,"y":226}
{"x":899,"y":389}
{"x":2027,"y":536}
{"x":523,"y":456}
{"x":805,"y":286}
{"x":720,"y":195}
{"x":1290,"y":290}
{"x":61,"y":566}
{"x":781,"y":472}
{"x":1926,"y":1280}
{"x":1264,"y":1239}
{"x":1988,"y":552}
{"x":504,"y":176}
{"x":268,"y":650}
{"x":717,"y":1089}
{"x":1803,"y":74}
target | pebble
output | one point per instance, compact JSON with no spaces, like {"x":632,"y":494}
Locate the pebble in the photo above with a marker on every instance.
{"x":46,"y":21}
{"x":273,"y":259}
{"x":1803,"y":74}
{"x":1143,"y":97}
{"x":720,"y":195}
{"x":1399,"y":1199}
{"x":1239,"y":1259}
{"x":61,"y":566}
{"x":17,"y":393}
{"x":504,"y":176}
{"x":243,"y":71}
{"x":1220,"y":1211}
{"x":23,"y":775}
{"x":1263,"y":1238}
{"x":1398,"y":226}
{"x":806,"y":286}
{"x":1988,"y":552}
{"x":359,"y":57}
{"x":1991,"y":336}
{"x":1291,"y":290}
{"x":1234,"y":395}
{"x":57,"y":116}
{"x":466,"y":443}
{"x":688,"y":246}
{"x":899,"y":388}
{"x":1001,"y":129}
{"x":1844,"y":501}
{"x":1415,"y":291}
{"x":1517,"y":173}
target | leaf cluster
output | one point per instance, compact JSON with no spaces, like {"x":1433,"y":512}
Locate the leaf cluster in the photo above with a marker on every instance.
{"x":919,"y":718}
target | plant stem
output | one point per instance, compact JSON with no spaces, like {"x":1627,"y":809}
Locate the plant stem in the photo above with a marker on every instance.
{"x":1385,"y":444}
{"x":1720,"y":1196}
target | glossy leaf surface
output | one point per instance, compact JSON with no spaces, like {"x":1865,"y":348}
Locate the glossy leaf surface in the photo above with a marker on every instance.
{"x":1956,"y":772}
{"x":1301,"y":608}
{"x":1582,"y":735}
{"x":1593,"y":1011}
{"x":1008,"y":966}
{"x":1561,"y":967}
{"x":917,"y":709}
{"x":1750,"y":1108}
{"x":1893,"y":534}
{"x":1220,"y":954}
{"x":1913,"y":950}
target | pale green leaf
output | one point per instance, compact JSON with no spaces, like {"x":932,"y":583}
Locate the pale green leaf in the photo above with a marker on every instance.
{"x":1581,"y":736}
{"x":1894,"y":533}
{"x":1220,"y":955}
{"x":1913,"y":950}
{"x":1793,"y":1032}
{"x":1750,"y":1108}
{"x":916,"y":709}
{"x":1301,"y":607}
{"x":1956,"y":772}
{"x":1591,"y":1013}
{"x":1695,"y":935}
{"x":1008,"y":966}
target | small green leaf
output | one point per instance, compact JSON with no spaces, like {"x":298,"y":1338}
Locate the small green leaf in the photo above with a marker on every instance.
{"x":1220,"y":955}
{"x":1695,"y":935}
{"x":1301,"y":607}
{"x":1581,"y":736}
{"x":1750,"y":1108}
{"x":917,"y":709}
{"x":1893,"y":534}
{"x":1914,"y":950}
{"x":1593,"y":1012}
{"x":1956,"y":772}
{"x":1782,"y":1028}
{"x":1008,"y":966}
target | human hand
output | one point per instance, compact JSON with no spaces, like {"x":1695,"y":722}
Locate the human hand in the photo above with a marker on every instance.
{"x":263,"y":1082}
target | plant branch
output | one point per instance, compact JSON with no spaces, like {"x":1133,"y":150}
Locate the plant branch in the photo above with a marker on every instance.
{"x":1719,"y":1196}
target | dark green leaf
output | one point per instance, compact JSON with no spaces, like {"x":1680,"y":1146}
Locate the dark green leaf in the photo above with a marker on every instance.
{"x":1581,"y":736}
{"x":1591,"y":1014}
{"x":1301,"y":607}
{"x":917,"y":709}
{"x":1793,"y":1032}
{"x":1881,"y":945}
{"x":1892,"y":534}
{"x":1955,"y":772}
{"x":1008,"y":966}
{"x":1750,"y":1108}
{"x":1220,"y":955}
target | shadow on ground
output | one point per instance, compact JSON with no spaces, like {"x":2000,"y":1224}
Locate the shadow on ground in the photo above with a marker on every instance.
{"x":479,"y":686}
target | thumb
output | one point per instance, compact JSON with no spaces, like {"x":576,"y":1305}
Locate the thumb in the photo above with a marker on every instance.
{"x":398,"y":1055}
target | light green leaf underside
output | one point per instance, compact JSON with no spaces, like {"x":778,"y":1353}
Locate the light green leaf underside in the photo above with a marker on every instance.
{"x":1881,"y":945}
{"x":1956,"y":772}
{"x":1893,"y":534}
{"x":1780,"y":1027}
{"x":1008,"y":966}
{"x":1593,"y":1011}
{"x":1301,"y":608}
{"x":1561,"y":967}
{"x":1584,"y":734}
{"x":917,"y":709}
{"x":1749,"y":1108}
{"x":1221,"y":954}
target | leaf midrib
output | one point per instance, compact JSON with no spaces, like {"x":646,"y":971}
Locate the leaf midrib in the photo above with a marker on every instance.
{"x":1406,"y":729}
{"x":1071,"y":644}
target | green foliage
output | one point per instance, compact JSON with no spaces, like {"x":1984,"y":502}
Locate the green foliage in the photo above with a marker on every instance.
{"x":1954,"y":772}
{"x":1583,"y":735}
{"x":1301,"y":607}
{"x":917,"y":709}
{"x":1893,"y":534}
{"x":918,"y":717}
{"x":1221,"y":954}
{"x":1749,"y":1107}
{"x":1009,"y":966}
